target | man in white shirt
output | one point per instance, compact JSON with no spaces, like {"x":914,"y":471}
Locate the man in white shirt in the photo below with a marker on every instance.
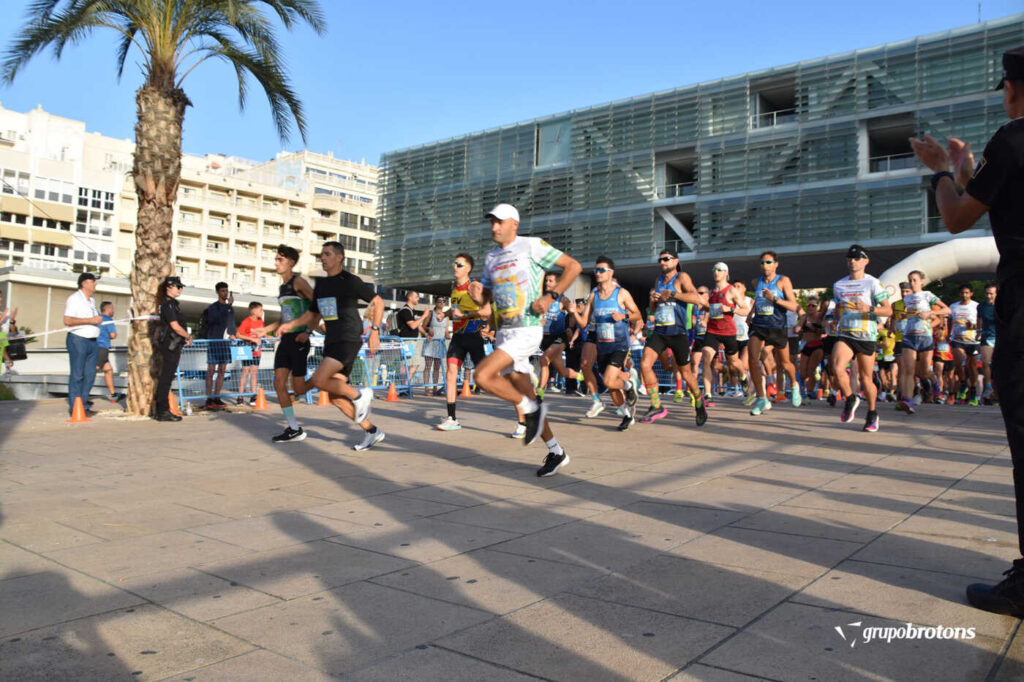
{"x":81,"y":315}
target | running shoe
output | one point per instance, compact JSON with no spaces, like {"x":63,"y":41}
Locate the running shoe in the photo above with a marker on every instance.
{"x":540,"y":393}
{"x":534,"y":423}
{"x":449,"y":424}
{"x":653,"y":414}
{"x":973,"y":402}
{"x":252,"y":401}
{"x":520,"y":431}
{"x":370,"y":440}
{"x":552,"y":463}
{"x":850,"y":409}
{"x":218,"y":402}
{"x":678,"y":396}
{"x":631,"y":396}
{"x":595,"y":409}
{"x":907,"y":406}
{"x":709,"y":402}
{"x":619,"y":411}
{"x":918,"y":399}
{"x":831,"y":399}
{"x":796,"y":399}
{"x":693,"y":398}
{"x":962,"y":395}
{"x":627,"y":421}
{"x":239,"y":400}
{"x":362,"y":405}
{"x":761,"y":405}
{"x":750,"y":400}
{"x":289,"y":434}
{"x":702,"y":414}
{"x":871,"y":423}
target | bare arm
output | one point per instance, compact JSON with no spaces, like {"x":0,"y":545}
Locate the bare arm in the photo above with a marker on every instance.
{"x":571,"y":269}
{"x":687,"y":293}
{"x":632,"y":312}
{"x":960,"y":211}
{"x":787,"y":290}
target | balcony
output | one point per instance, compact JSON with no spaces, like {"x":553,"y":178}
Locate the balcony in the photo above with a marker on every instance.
{"x":679,"y":189}
{"x":773,"y":118}
{"x":892,"y":162}
{"x":247,"y":228}
{"x":188,"y":246}
{"x":217,"y":251}
{"x":220,"y":228}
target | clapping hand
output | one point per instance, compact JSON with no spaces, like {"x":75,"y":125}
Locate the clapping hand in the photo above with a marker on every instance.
{"x":931,"y":153}
{"x":963,"y":160}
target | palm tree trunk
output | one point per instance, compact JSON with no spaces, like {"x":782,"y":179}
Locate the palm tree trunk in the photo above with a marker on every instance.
{"x":157,"y":171}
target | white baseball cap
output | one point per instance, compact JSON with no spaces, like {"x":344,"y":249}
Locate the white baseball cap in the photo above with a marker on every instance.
{"x":720,"y":266}
{"x":503,"y":212}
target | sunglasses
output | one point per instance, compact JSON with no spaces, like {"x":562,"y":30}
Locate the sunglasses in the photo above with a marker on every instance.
{"x":601,"y":271}
{"x":665,"y":259}
{"x":721,"y":269}
{"x":768,"y":262}
{"x":458,"y":264}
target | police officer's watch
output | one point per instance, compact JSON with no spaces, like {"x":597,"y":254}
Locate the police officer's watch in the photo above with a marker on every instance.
{"x":937,"y":177}
{"x":374,"y":328}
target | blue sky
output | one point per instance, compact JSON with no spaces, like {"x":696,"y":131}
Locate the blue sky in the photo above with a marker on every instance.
{"x":396,"y":74}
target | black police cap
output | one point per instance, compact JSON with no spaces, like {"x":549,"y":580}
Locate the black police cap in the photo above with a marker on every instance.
{"x":1013,"y":66}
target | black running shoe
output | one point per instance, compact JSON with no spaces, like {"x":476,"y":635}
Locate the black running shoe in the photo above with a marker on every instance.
{"x":631,"y":396}
{"x":289,"y":435}
{"x":535,"y":423}
{"x":702,"y":413}
{"x":552,"y":463}
{"x":1006,"y":598}
{"x":627,"y":421}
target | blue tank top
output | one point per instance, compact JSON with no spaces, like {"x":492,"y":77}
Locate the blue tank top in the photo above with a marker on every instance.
{"x":670,"y":318}
{"x":767,"y":315}
{"x":609,"y":334}
{"x":554,"y":319}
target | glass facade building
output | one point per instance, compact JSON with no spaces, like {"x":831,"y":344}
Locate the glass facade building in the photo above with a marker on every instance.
{"x":804,"y":159}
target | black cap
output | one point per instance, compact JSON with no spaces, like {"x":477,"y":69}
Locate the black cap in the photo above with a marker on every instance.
{"x":1013,"y":66}
{"x":85,"y":276}
{"x":856,"y":251}
{"x":668,"y":252}
{"x":173,"y":281}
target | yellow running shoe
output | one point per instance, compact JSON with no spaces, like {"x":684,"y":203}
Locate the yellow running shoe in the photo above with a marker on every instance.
{"x":678,"y":397}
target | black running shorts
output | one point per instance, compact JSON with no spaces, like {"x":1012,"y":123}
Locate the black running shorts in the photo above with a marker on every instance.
{"x":678,"y":344}
{"x":291,"y":355}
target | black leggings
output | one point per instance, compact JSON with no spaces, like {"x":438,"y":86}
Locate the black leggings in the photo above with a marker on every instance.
{"x":168,"y":366}
{"x":1008,"y":373}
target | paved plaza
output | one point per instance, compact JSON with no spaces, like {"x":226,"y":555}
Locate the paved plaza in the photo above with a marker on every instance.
{"x":131,"y":549}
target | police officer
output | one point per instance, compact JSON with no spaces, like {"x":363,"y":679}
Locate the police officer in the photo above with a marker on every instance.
{"x":997,"y":187}
{"x":170,"y":339}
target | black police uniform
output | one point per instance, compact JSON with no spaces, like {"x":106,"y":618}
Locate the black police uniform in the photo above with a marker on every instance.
{"x":998,"y":183}
{"x":169,"y":343}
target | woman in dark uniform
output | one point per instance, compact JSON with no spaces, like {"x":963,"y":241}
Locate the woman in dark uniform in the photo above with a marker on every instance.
{"x":171,"y":337}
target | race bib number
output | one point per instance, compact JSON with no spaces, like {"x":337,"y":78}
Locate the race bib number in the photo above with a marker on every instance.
{"x":942,"y":347}
{"x":715,"y":311}
{"x":328,"y":308}
{"x":605,"y":332}
{"x":666,"y":315}
{"x":852,"y":323}
{"x":901,"y":326}
{"x":506,"y":299}
{"x":762,"y":306}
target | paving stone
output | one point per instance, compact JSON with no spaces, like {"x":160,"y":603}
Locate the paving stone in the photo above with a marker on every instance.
{"x":777,"y":552}
{"x":728,"y":595}
{"x":45,"y":535}
{"x":463,"y":493}
{"x":272,"y":531}
{"x":196,"y":594}
{"x":349,"y":627}
{"x":797,"y":642}
{"x":303,"y":569}
{"x":737,"y":499}
{"x":704,"y":673}
{"x":430,"y":664}
{"x":821,"y":523}
{"x":55,"y":596}
{"x":976,"y":501}
{"x":1011,"y":669}
{"x":593,"y":639}
{"x":488,"y":580}
{"x":422,"y":540}
{"x":896,"y":592}
{"x":380,"y":509}
{"x":517,"y":517}
{"x":617,"y":539}
{"x":143,"y":642}
{"x":255,"y":665}
{"x":16,"y":562}
{"x":144,"y":520}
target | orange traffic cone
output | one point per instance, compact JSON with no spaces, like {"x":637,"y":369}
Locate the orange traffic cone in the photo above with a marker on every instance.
{"x":324,"y":400}
{"x":78,"y":413}
{"x":466,"y":393}
{"x":173,"y":402}
{"x":261,"y":400}
{"x":392,"y":393}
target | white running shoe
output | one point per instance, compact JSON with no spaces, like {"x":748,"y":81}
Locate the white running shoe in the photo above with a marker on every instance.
{"x":362,"y":405}
{"x":595,"y":409}
{"x":520,"y":431}
{"x":370,"y":440}
{"x":449,"y":424}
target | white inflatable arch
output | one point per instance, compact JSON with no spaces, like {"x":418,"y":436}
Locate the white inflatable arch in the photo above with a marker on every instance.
{"x":973,"y":254}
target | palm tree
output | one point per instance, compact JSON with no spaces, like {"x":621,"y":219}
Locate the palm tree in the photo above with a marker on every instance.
{"x":174,"y":37}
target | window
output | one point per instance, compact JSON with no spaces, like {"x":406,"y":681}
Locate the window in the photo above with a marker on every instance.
{"x":16,"y":218}
{"x":83,"y":197}
{"x":349,"y":220}
{"x":105,"y":258}
{"x":79,"y":255}
{"x":366,"y":245}
{"x":553,"y":142}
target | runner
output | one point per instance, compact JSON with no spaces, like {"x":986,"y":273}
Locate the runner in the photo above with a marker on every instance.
{"x":724,"y":302}
{"x":671,"y":303}
{"x":613,"y":310}
{"x":861,"y":300}
{"x":744,"y":385}
{"x":467,"y":319}
{"x":897,"y":324}
{"x":773,"y":296}
{"x":918,"y":345}
{"x":294,"y":296}
{"x":987,"y":319}
{"x":943,"y":360}
{"x":963,"y":319}
{"x":811,"y":330}
{"x":554,"y":340}
{"x":513,"y":277}
{"x":335,"y":299}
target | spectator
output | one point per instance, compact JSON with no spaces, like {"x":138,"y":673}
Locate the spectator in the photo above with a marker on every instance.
{"x":107,"y":334}
{"x":171,"y":338}
{"x":81,"y":315}
{"x":220,"y":320}
{"x":410,"y":323}
{"x":7,"y":326}
{"x":250,"y":368}
{"x":438,"y":330}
